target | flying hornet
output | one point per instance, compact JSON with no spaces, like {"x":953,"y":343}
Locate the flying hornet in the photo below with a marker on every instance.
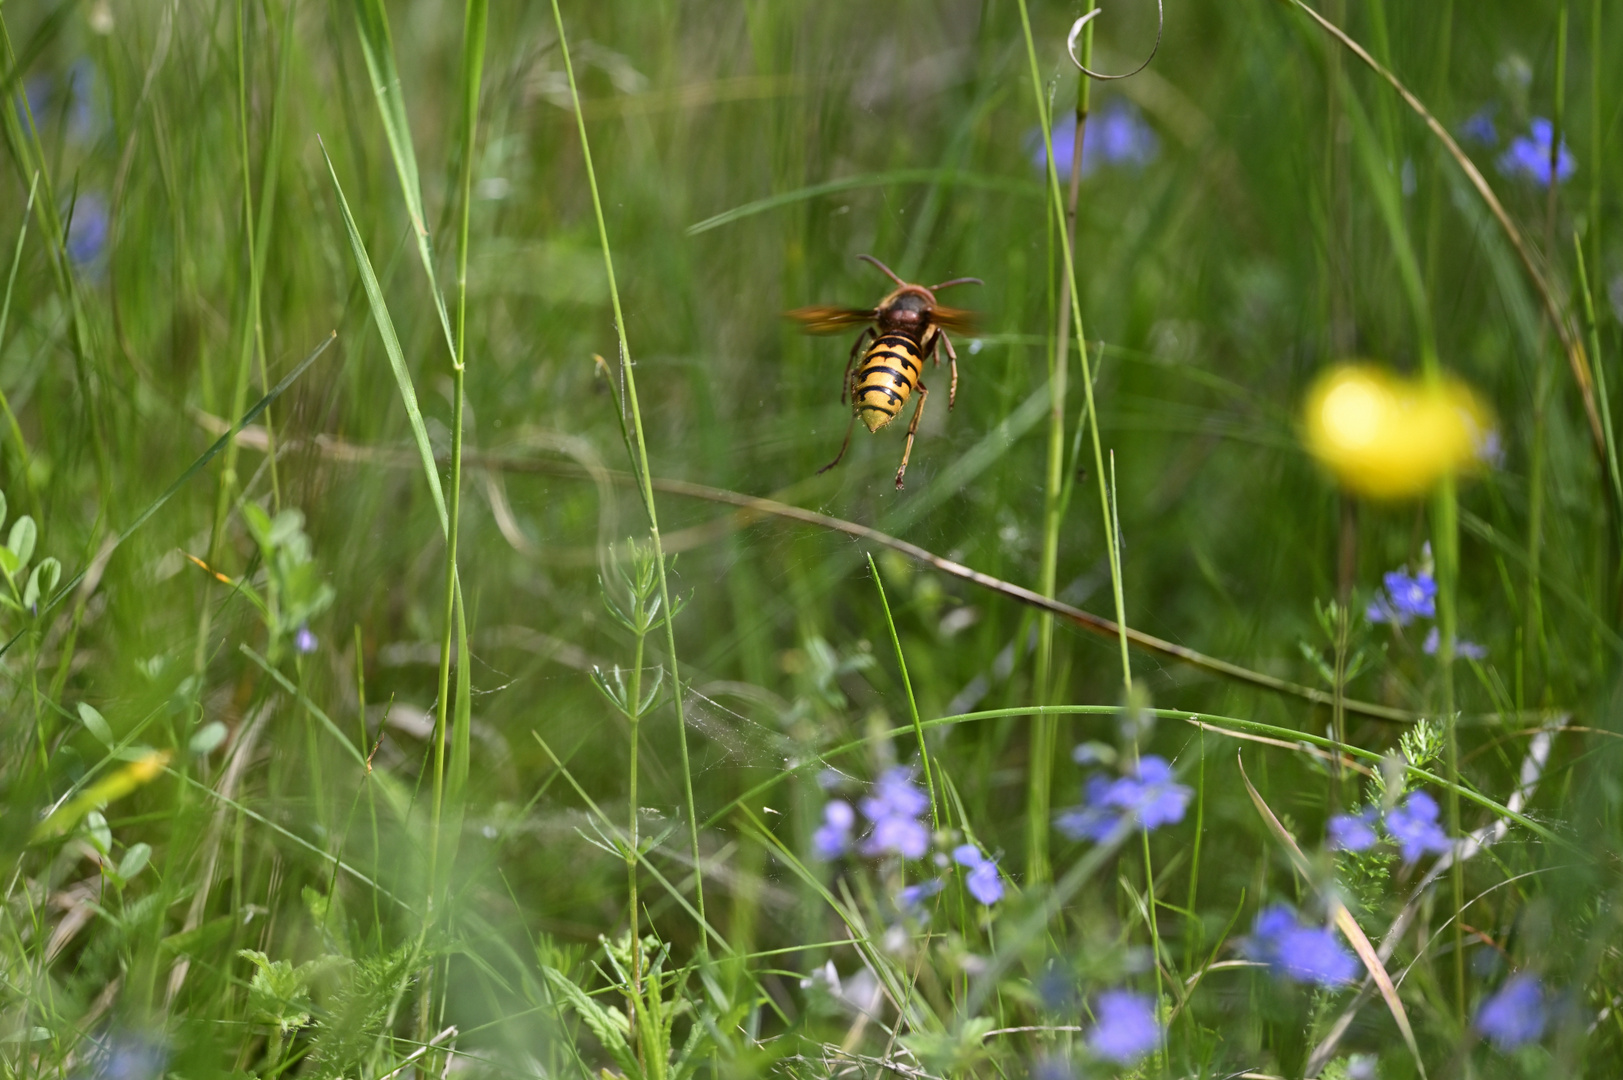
{"x":907,"y":328}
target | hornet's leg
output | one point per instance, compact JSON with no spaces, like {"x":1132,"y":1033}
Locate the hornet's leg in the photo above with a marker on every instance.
{"x":845,"y":385}
{"x":952,"y":355}
{"x":912,"y":429}
{"x":840,"y":456}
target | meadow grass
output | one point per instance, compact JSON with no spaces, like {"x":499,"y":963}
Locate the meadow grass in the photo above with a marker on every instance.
{"x":431,"y":648}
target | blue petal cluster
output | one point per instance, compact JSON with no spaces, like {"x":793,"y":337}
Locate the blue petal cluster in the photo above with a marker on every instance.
{"x":983,"y":881}
{"x":1414,"y":826}
{"x":894,"y":809}
{"x":833,"y":836}
{"x":1465,"y":650}
{"x":1127,"y":1027}
{"x":87,"y":231}
{"x":1302,"y":953}
{"x":1406,"y":598}
{"x":1515,"y":1015}
{"x":1479,"y":127}
{"x":1116,"y":134}
{"x":305,"y":641}
{"x":913,"y":897}
{"x":1528,"y":156}
{"x":1150,"y":796}
{"x":1352,"y":832}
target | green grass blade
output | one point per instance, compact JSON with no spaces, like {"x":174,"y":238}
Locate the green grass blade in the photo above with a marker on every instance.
{"x":944,"y":177}
{"x":377,"y":45}
{"x":391,"y":346}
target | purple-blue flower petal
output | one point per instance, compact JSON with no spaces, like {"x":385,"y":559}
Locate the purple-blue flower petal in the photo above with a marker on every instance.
{"x":1515,"y":1015}
{"x":1127,"y":1027}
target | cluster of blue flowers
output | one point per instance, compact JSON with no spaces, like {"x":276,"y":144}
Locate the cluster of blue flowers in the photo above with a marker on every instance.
{"x":895,"y":812}
{"x":982,"y":880}
{"x":1407,"y":597}
{"x":1413,"y":826}
{"x":1149,"y":796}
{"x":896,"y":809}
{"x":1525,"y":157}
{"x":1528,"y":156}
{"x":1115,"y":135}
{"x":1309,"y":954}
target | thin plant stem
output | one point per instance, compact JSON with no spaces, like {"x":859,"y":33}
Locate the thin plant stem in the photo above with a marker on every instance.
{"x":912,"y":703}
{"x":641,"y":467}
{"x":1045,"y":731}
{"x":473,"y":37}
{"x":633,"y":841}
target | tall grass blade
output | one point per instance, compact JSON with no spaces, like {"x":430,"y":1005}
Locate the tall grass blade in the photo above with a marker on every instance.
{"x":391,"y":346}
{"x":377,"y":46}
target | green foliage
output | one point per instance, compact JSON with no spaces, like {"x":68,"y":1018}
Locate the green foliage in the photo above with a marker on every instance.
{"x":505,"y":813}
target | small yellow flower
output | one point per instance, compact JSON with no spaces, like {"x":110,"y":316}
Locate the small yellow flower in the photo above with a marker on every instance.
{"x":1389,"y":437}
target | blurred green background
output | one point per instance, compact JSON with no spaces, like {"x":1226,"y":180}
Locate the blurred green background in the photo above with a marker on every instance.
{"x":1247,"y":208}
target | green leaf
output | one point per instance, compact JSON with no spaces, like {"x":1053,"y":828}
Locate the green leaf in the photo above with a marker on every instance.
{"x":609,"y":1025}
{"x":41,"y":581}
{"x":9,"y":564}
{"x":97,"y":832}
{"x":391,"y":346}
{"x":21,"y":543}
{"x":135,"y":860}
{"x":208,"y":738}
{"x":95,"y":723}
{"x":259,"y":524}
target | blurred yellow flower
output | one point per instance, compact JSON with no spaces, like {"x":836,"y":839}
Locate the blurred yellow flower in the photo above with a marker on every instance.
{"x":1389,"y":437}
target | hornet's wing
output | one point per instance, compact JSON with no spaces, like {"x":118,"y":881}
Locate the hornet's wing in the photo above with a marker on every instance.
{"x":830,"y":320}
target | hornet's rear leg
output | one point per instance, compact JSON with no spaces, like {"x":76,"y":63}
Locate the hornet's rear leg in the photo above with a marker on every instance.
{"x":912,"y":429}
{"x":846,"y":389}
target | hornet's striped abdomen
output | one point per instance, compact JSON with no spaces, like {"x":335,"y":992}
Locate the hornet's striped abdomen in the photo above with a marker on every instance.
{"x":889,"y":372}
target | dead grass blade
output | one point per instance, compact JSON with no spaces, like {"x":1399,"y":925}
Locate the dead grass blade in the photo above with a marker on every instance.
{"x":1343,"y":919}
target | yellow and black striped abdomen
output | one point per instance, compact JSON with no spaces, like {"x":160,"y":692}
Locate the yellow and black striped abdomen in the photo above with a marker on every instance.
{"x":889,"y":372}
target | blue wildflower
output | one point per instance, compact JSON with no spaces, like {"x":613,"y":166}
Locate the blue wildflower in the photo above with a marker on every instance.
{"x":1528,"y":156}
{"x":87,"y":117}
{"x":894,"y":810}
{"x":1052,"y":1068}
{"x":1479,"y":128}
{"x":1301,"y":953}
{"x":35,"y":99}
{"x":1414,"y":827}
{"x":1465,"y":650}
{"x":1096,"y":819}
{"x":305,"y":641}
{"x":1127,"y":1027}
{"x":833,"y":836}
{"x":131,"y":1057}
{"x":913,"y":897}
{"x":87,"y":231}
{"x":1151,"y":797}
{"x":1352,"y":832}
{"x":1514,"y":1015}
{"x":1413,"y":596}
{"x":983,"y":880}
{"x":1116,"y":134}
